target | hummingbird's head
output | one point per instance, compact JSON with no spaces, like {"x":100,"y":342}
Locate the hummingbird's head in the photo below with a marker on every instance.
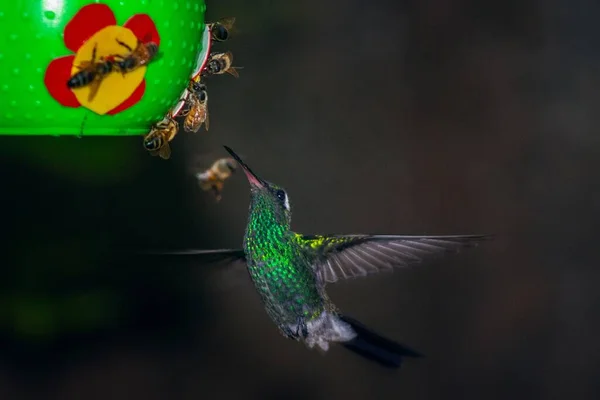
{"x":266,"y":196}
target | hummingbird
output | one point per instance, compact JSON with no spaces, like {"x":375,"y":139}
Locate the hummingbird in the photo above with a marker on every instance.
{"x":290,"y":271}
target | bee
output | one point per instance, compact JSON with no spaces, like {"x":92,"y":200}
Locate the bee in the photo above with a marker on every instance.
{"x":219,"y":63}
{"x":214,"y":178}
{"x":91,"y":73}
{"x":138,"y":57}
{"x":220,"y":30}
{"x":197,"y":112}
{"x":161,"y":133}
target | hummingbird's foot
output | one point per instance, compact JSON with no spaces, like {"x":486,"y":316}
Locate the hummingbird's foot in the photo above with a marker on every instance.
{"x":301,"y":328}
{"x":289,"y":333}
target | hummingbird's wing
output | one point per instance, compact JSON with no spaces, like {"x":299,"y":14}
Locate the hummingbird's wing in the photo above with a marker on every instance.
{"x":340,"y":257}
{"x":229,"y":265}
{"x":208,"y":256}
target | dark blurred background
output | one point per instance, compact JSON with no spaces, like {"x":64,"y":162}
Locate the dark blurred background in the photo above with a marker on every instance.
{"x":429,"y":117}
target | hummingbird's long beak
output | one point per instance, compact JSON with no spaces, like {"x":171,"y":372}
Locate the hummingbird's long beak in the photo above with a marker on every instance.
{"x":252,"y":178}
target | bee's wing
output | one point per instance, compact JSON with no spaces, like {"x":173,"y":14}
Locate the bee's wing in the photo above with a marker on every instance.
{"x":165,"y":151}
{"x":201,"y":162}
{"x":233,"y":71}
{"x":196,"y":126}
{"x":94,"y":86}
{"x":227,"y":22}
{"x":196,"y":165}
{"x":206,"y":119}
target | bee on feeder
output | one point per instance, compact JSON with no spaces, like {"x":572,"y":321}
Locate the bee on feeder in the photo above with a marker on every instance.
{"x":197,"y":107}
{"x":161,"y":133}
{"x":142,"y":55}
{"x":221,"y":29}
{"x":91,"y":73}
{"x":220,"y":63}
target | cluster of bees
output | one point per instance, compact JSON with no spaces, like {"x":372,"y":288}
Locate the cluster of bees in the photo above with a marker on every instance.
{"x":193,"y":104}
{"x":193,"y":108}
{"x":91,"y":73}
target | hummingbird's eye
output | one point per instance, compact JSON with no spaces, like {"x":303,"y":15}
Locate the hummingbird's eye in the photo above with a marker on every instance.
{"x":280,"y":195}
{"x":284,"y":199}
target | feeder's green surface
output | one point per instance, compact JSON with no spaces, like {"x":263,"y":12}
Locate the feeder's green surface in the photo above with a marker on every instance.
{"x":31,"y":36}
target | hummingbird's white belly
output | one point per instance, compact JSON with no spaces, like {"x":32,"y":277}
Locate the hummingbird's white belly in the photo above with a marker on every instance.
{"x":326,"y":328}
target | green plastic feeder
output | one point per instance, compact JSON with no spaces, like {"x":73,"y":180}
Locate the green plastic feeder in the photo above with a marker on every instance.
{"x":44,"y":42}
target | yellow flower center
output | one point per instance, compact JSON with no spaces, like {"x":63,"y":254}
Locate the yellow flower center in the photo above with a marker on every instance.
{"x":115,"y":87}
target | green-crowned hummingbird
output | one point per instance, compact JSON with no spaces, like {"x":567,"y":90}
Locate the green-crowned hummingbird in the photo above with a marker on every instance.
{"x":290,"y":271}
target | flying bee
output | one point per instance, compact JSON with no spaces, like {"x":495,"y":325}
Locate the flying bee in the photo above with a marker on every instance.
{"x":221,"y":29}
{"x":138,"y":57}
{"x":214,"y":178}
{"x":197,"y":112}
{"x":219,"y":63}
{"x":91,"y":73}
{"x":161,"y":133}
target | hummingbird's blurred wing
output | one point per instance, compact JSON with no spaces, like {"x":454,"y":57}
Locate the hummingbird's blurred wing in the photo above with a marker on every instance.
{"x":349,"y":256}
{"x":225,"y":267}
{"x":208,"y":256}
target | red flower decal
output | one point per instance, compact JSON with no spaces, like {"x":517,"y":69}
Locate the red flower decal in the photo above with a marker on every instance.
{"x":93,"y":31}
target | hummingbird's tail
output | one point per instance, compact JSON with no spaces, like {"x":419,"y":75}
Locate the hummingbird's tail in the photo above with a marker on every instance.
{"x":375,"y":347}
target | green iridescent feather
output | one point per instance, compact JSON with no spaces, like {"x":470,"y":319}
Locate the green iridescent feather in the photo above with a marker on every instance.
{"x":278,"y":265}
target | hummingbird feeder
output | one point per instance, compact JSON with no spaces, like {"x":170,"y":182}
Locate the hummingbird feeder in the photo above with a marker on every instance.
{"x":44,"y":43}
